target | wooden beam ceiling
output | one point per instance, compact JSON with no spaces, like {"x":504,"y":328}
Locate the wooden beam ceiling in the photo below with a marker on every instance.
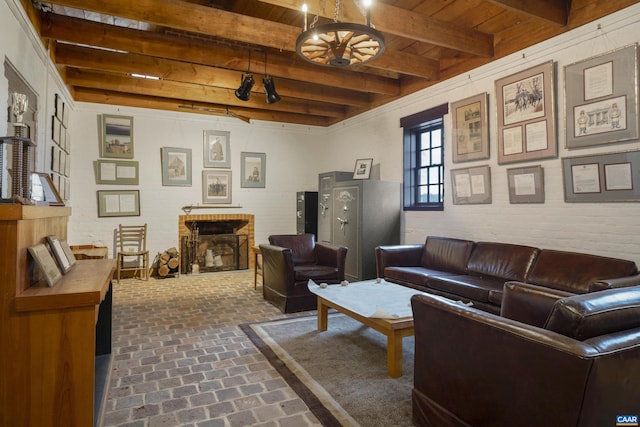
{"x":199,"y":49}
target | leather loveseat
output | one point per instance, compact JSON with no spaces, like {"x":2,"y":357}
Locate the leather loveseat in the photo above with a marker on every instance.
{"x":289,"y":261}
{"x":477,"y":271}
{"x":580,"y":366}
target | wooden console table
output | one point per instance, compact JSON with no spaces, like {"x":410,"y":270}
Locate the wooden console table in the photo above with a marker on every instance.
{"x":55,"y":342}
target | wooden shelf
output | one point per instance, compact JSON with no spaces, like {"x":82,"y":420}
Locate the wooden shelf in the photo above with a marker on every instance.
{"x":55,"y":342}
{"x":86,"y":284}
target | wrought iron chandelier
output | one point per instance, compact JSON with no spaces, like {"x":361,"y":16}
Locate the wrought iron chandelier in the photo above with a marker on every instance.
{"x":339,"y":44}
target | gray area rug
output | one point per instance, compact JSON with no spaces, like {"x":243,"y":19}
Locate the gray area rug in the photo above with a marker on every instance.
{"x":341,"y":373}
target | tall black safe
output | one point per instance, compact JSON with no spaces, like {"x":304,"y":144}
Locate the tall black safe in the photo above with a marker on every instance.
{"x":307,"y":212}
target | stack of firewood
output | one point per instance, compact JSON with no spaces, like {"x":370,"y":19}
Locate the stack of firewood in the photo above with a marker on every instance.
{"x":168,"y":262}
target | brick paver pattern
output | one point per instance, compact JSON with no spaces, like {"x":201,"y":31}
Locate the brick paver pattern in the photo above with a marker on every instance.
{"x":179,"y":358}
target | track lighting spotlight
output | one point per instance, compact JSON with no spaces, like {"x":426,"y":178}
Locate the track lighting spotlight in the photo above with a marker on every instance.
{"x":243,"y":93}
{"x":270,"y":90}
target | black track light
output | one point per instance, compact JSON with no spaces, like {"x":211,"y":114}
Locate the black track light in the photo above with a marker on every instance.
{"x":244,"y":91}
{"x":270,"y":90}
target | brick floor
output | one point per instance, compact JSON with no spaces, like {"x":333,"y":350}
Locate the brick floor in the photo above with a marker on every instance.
{"x":179,"y":358}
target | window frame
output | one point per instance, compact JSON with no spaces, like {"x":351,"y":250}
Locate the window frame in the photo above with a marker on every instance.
{"x":414,"y":127}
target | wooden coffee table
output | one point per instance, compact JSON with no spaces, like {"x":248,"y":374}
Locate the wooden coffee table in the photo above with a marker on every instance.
{"x":357,"y":300}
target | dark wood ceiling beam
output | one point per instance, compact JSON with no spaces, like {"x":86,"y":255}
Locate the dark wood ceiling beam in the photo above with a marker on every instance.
{"x":80,"y":31}
{"x":101,"y":96}
{"x":554,"y":11}
{"x":405,"y":23}
{"x":118,"y":62}
{"x":210,"y":21}
{"x":192,"y":92}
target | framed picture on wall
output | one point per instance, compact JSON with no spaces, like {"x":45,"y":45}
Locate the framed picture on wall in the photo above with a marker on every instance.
{"x":216,"y":187}
{"x":526,"y":185}
{"x":117,"y":136}
{"x":176,"y":166}
{"x":471,"y":185}
{"x":601,"y":99}
{"x":253,"y":170}
{"x":526,"y":115}
{"x":470,"y":128}
{"x":612,"y":177}
{"x":118,"y":203}
{"x":120,"y":172}
{"x":217,"y":149}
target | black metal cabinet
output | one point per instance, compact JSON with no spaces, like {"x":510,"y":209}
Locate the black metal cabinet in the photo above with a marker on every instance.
{"x":307,"y":212}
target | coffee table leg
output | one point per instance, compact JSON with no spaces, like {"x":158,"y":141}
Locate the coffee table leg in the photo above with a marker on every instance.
{"x":394,"y":355}
{"x":323,"y":314}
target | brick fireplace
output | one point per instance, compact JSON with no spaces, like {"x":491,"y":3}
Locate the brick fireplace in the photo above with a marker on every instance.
{"x":227,"y":238}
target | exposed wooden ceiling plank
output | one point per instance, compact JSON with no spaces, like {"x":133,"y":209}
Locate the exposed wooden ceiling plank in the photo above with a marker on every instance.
{"x":192,"y":92}
{"x":101,"y":96}
{"x":206,"y":20}
{"x":554,"y":11}
{"x":405,"y":23}
{"x":74,"y":30}
{"x":84,"y":57}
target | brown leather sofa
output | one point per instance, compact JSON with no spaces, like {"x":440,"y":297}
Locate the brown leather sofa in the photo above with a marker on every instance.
{"x":289,"y":261}
{"x":579,"y":367}
{"x":477,"y":271}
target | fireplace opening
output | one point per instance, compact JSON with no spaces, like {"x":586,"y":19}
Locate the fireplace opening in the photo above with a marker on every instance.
{"x":215,"y":245}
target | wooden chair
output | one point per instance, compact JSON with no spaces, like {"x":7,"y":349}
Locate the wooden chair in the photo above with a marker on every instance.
{"x":132,"y":241}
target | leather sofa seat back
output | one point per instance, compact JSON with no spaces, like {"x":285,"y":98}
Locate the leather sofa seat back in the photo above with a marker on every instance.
{"x":574,"y":272}
{"x":502,"y":260}
{"x":597,"y":313}
{"x":301,"y":245}
{"x":450,"y":255}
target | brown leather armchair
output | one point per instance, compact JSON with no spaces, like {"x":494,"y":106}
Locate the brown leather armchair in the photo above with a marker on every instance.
{"x":289,"y":261}
{"x":581,"y":368}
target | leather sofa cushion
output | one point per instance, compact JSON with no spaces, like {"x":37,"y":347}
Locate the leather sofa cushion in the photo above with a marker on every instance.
{"x":416,"y":275}
{"x":502,"y":260}
{"x":597,"y":313}
{"x":472,"y":287}
{"x":301,"y":245}
{"x":315,"y":272}
{"x":442,"y":253}
{"x":574,"y":272}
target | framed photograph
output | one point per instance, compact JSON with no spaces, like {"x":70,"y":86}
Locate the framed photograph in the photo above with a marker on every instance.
{"x":253,"y":170}
{"x":46,"y":268}
{"x":526,"y":115}
{"x":59,"y":106}
{"x":470,"y":128}
{"x":68,"y":251}
{"x":216,"y":187}
{"x":362,"y":169}
{"x":44,"y":191}
{"x":120,"y":172}
{"x":117,"y":137}
{"x":176,"y":166}
{"x":612,"y":177}
{"x":64,"y":263}
{"x":526,"y":185}
{"x":217,"y":149}
{"x":471,"y":185}
{"x":118,"y":203}
{"x":601,"y":99}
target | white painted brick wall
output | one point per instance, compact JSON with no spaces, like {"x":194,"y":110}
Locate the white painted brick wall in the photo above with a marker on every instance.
{"x":296,"y":154}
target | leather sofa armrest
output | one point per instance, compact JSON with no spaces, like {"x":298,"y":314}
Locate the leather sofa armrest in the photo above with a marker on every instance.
{"x":528,"y":303}
{"x":397,"y":256}
{"x":620,"y":282}
{"x":277,"y":268}
{"x":331,"y":255}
